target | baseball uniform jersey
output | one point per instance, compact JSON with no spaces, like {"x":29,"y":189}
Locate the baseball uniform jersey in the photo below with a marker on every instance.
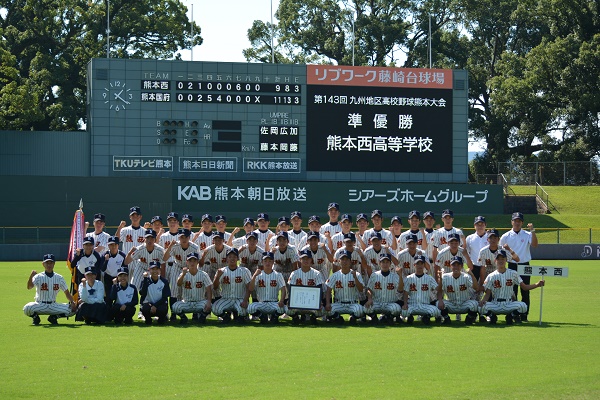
{"x":47,"y":287}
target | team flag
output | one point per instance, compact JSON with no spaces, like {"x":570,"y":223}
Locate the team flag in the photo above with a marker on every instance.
{"x":76,"y":242}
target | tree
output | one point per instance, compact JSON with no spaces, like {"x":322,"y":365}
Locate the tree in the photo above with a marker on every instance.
{"x":47,"y":44}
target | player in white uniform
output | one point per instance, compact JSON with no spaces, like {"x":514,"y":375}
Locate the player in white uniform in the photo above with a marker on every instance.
{"x":382,"y":291}
{"x":233,"y":282}
{"x":177,"y":252}
{"x":372,"y":255}
{"x":362,"y":223}
{"x":443,"y":264}
{"x":322,"y":259}
{"x":457,"y":286}
{"x":187,"y":222}
{"x":144,"y":254}
{"x":406,"y":257}
{"x":47,"y":285}
{"x":204,"y":237}
{"x":441,"y":235}
{"x":248,"y":225}
{"x":499,"y":285}
{"x":171,"y":271}
{"x":314,"y":225}
{"x":132,"y":235}
{"x":251,"y":255}
{"x":396,"y":227}
{"x":357,"y":257}
{"x":418,"y":290}
{"x":100,"y":237}
{"x":346,"y":284}
{"x":214,"y":258}
{"x":475,"y":242}
{"x":263,"y":231}
{"x":414,"y":219}
{"x":196,"y":291}
{"x":333,"y":227}
{"x":283,"y":225}
{"x":306,"y":275}
{"x":221,"y":225}
{"x":296,"y":234}
{"x":429,"y":231}
{"x":286,"y":257}
{"x":336,"y":241}
{"x":114,"y":259}
{"x":487,"y":255}
{"x":387,"y":239}
{"x":86,"y":257}
{"x":270,"y":292}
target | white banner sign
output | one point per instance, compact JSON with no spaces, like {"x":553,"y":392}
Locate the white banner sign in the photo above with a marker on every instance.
{"x":561,"y":272}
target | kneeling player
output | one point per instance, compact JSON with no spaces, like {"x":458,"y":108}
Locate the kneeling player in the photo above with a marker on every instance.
{"x":418,"y":289}
{"x":499,"y":285}
{"x":270,"y":291}
{"x":154,"y":295}
{"x":346,"y":284}
{"x":124,"y":297}
{"x":306,"y":275}
{"x":457,"y":286}
{"x":382,"y":291}
{"x":233,"y":282}
{"x":196,"y":293}
{"x":92,"y":307}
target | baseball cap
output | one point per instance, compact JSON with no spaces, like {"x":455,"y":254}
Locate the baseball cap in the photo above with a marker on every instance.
{"x":193,"y":255}
{"x":252,"y":235}
{"x":88,"y":239}
{"x":135,"y":210}
{"x":517,"y":215}
{"x":207,"y":217}
{"x":479,"y":218}
{"x":411,"y":238}
{"x":113,"y":239}
{"x":295,"y":214}
{"x":232,"y":250}
{"x":397,"y":218}
{"x":48,"y":257}
{"x":314,"y":218}
{"x":189,"y":217}
{"x":219,"y":218}
{"x":99,"y":217}
{"x":361,"y":216}
{"x":172,"y":215}
{"x":154,"y":264}
{"x":283,"y":235}
{"x":89,"y":270}
{"x":349,"y":236}
{"x":262,"y":216}
{"x":149,"y":232}
{"x":345,"y":253}
{"x":268,"y":254}
{"x":377,"y":213}
{"x":346,"y":217}
{"x":447,"y":212}
{"x":333,"y":205}
{"x":220,"y":235}
{"x":313,"y":234}
{"x":185,"y":232}
{"x":283,"y":220}
{"x":493,"y":232}
{"x":428,"y":214}
{"x":305,"y":253}
{"x":414,"y":213}
{"x":248,"y":221}
{"x":454,"y":236}
{"x":156,"y":218}
{"x":419,"y":258}
{"x":376,"y":235}
{"x":123,"y":270}
{"x":385,"y":256}
{"x":501,"y":253}
{"x":456,"y":259}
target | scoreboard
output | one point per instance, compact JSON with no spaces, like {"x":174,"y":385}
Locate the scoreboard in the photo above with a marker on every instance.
{"x":267,"y":122}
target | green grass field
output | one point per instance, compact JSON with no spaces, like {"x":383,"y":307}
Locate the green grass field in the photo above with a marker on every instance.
{"x":557,"y":360}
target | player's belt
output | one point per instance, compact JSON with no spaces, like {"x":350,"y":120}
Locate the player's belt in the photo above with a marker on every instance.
{"x":500,"y":299}
{"x":47,"y":302}
{"x":347,"y":302}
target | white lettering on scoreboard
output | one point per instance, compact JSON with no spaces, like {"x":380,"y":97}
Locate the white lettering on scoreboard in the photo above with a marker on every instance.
{"x":142,"y":163}
{"x":252,"y":193}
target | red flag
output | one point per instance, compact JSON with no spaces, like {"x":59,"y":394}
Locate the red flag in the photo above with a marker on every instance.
{"x":76,"y":242}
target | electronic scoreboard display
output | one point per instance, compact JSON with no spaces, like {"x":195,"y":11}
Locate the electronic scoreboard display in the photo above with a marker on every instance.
{"x":242,"y":121}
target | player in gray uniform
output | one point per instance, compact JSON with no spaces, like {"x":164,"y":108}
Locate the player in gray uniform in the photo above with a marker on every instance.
{"x":382,"y":291}
{"x":132,"y":235}
{"x":100,"y":237}
{"x":270,"y":292}
{"x":263,"y":231}
{"x":346,"y":284}
{"x":196,"y":291}
{"x":457,"y":286}
{"x":296,"y":234}
{"x":47,"y":284}
{"x":418,"y":290}
{"x":306,"y":275}
{"x":233,"y":282}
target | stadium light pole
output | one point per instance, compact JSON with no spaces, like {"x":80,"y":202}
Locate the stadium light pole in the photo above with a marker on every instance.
{"x":272,"y":34}
{"x":107,"y":28}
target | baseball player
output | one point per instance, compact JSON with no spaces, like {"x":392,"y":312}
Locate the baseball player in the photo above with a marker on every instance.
{"x":124,"y":298}
{"x":214,"y":257}
{"x":322,"y":259}
{"x":442,"y":263}
{"x":387,"y":239}
{"x":92,"y":307}
{"x":251,"y":255}
{"x":132,"y":235}
{"x":306,"y":275}
{"x":47,"y":285}
{"x":487,"y":255}
{"x":520,"y":241}
{"x":270,"y":291}
{"x":346,"y":284}
{"x":499,"y":284}
{"x":100,"y":237}
{"x":171,"y":272}
{"x":314,"y":225}
{"x":406,"y":257}
{"x":196,"y":291}
{"x":429,"y":232}
{"x":239,"y":242}
{"x":283,"y":225}
{"x":475,"y":242}
{"x":144,"y":254}
{"x":263,"y":230}
{"x":362,"y":223}
{"x":333,"y":227}
{"x":114,"y":259}
{"x":86,"y":257}
{"x":156,"y":224}
{"x":457,"y":286}
{"x":233,"y":282}
{"x":418,"y":291}
{"x":382,"y":291}
{"x":178,"y":252}
{"x":358,"y":261}
{"x":440,"y":240}
{"x":297,"y":235}
{"x":336,"y":241}
{"x":187,"y":221}
{"x":396,"y":227}
{"x":372,"y":255}
{"x":414,"y":219}
{"x":286,"y":257}
{"x":154,"y":294}
{"x":204,"y":237}
{"x":221,"y":225}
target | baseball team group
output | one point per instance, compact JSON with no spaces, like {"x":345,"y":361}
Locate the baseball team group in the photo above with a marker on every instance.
{"x":373,"y":274}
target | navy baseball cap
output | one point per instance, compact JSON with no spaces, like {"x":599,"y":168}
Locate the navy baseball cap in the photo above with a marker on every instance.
{"x":232,"y":250}
{"x":479,"y":218}
{"x":262,"y":216}
{"x":517,"y":215}
{"x":333,"y":205}
{"x":88,"y":239}
{"x":189,"y":217}
{"x":457,"y":259}
{"x":156,"y":218}
{"x":193,"y":255}
{"x":219,"y":218}
{"x":154,"y":264}
{"x":397,"y":218}
{"x":268,"y":254}
{"x":305,"y":253}
{"x":207,"y":217}
{"x":349,"y":236}
{"x":220,"y":235}
{"x":345,"y":253}
{"x":283,"y":220}
{"x":414,"y":213}
{"x":377,"y":213}
{"x":113,"y":239}
{"x":376,"y":235}
{"x":314,"y":218}
{"x":123,"y":270}
{"x":412,"y":238}
{"x":313,"y":234}
{"x":48,"y":257}
{"x":248,"y":221}
{"x":501,"y":253}
{"x":283,"y":235}
{"x":453,"y":236}
{"x":135,"y":210}
{"x":428,"y":214}
{"x":149,"y":233}
{"x":252,"y":235}
{"x":89,"y":270}
{"x":385,"y":256}
{"x":346,"y":217}
{"x":419,"y":258}
{"x":185,"y":232}
{"x":447,"y":212}
{"x":172,"y":215}
{"x":361,"y":216}
{"x":99,"y":217}
{"x":295,"y":214}
{"x":493,"y":232}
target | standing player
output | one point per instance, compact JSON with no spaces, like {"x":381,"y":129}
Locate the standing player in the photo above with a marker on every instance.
{"x":358,"y":261}
{"x":114,"y":260}
{"x":165,"y":240}
{"x":487,"y":255}
{"x":373,"y":252}
{"x":346,"y":284}
{"x":286,"y":257}
{"x":297,"y":235}
{"x":414,"y":219}
{"x":47,"y":285}
{"x":406,"y":257}
{"x":154,"y":295}
{"x":396,"y":227}
{"x":332,"y":226}
{"x":86,"y":257}
{"x":233,"y":282}
{"x":204,"y":237}
{"x":283,"y":225}
{"x":100,"y":237}
{"x":457,"y":286}
{"x":263,"y":230}
{"x":443,"y":261}
{"x":418,"y":291}
{"x":306,"y":275}
{"x":321,"y":257}
{"x":239,"y":242}
{"x":196,"y":291}
{"x":178,"y":251}
{"x":336,"y":241}
{"x":221,"y":225}
{"x":429,"y":232}
{"x":499,"y":284}
{"x":144,"y":254}
{"x":251,"y":255}
{"x":156,"y":224}
{"x":442,"y":234}
{"x":382,"y":292}
{"x":215,"y":258}
{"x":314,"y":225}
{"x":387,"y":239}
{"x":475,"y":242}
{"x":132,"y":235}
{"x":124,"y":298}
{"x":270,"y":291}
{"x":521,"y":241}
{"x":187,"y":221}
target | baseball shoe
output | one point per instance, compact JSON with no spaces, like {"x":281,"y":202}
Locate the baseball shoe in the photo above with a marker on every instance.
{"x":493,"y":318}
{"x":469,"y":320}
{"x":118,"y":321}
{"x":202,"y":318}
{"x":524,"y":318}
{"x":140,"y":315}
{"x":410,"y":319}
{"x":162,"y":320}
{"x":313,"y":320}
{"x":509,"y":319}
{"x":264,"y":318}
{"x":148,"y":321}
{"x":195,"y":317}
{"x":240,"y":319}
{"x":425,"y":319}
{"x":439,"y":320}
{"x":340,"y":320}
{"x":53,"y":319}
{"x":399,"y":319}
{"x":363,"y":319}
{"x":128,"y":321}
{"x":353,"y":320}
{"x":274,"y":319}
{"x":458,"y":317}
{"x":447,"y":321}
{"x":226,"y":317}
{"x":183,"y":319}
{"x":295,"y":320}
{"x":482,"y":318}
{"x":36,"y":319}
{"x":173,"y":317}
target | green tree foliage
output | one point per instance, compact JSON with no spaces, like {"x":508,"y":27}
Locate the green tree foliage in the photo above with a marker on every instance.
{"x":46,"y":45}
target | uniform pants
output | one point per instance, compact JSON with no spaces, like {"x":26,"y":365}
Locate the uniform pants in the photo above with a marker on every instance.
{"x":47,"y":309}
{"x":266,"y":307}
{"x":161,"y":311}
{"x":95,"y":312}
{"x":352,"y":308}
{"x":392,"y":309}
{"x":421,"y":309}
{"x":298,"y":311}
{"x":108,"y":282}
{"x":461,"y":308}
{"x":222,"y":305}
{"x":172,"y":273}
{"x":524,"y":293}
{"x":115,"y":313}
{"x":504,"y":307}
{"x":188,"y":307}
{"x":137,"y":276}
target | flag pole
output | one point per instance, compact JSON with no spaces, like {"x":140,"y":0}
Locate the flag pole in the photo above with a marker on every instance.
{"x":541,"y":300}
